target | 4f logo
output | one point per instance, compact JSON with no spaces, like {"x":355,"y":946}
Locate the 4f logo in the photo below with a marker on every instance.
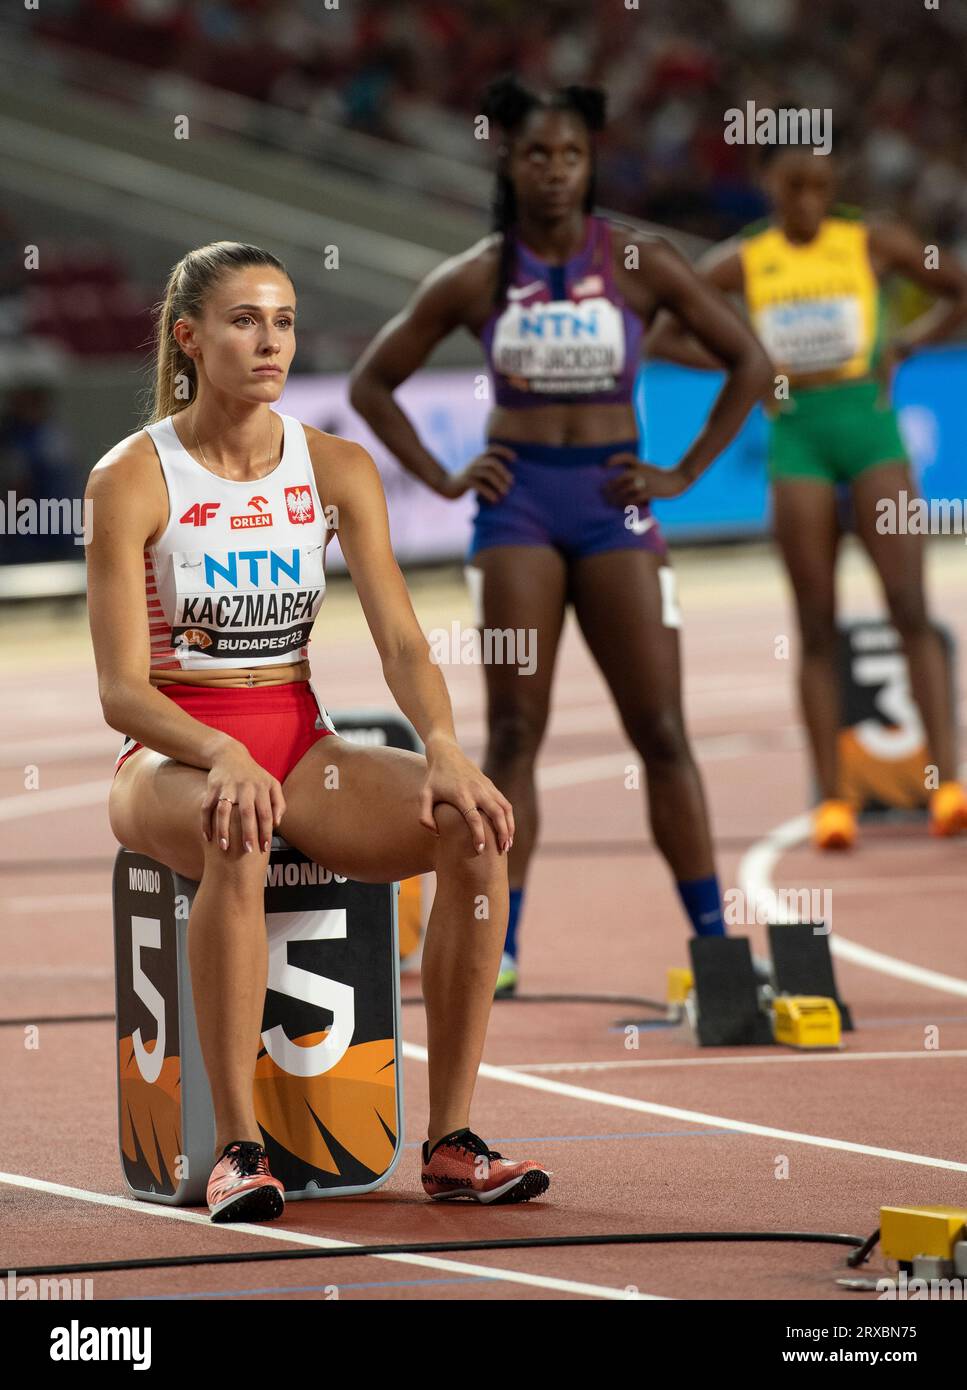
{"x":199,"y":513}
{"x":298,"y":501}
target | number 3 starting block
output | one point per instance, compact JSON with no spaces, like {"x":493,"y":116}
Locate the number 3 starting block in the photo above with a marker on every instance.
{"x":327,"y":1087}
{"x":882,"y":748}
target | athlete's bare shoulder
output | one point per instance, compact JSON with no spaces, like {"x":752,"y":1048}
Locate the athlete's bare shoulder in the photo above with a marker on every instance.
{"x":130,"y":458}
{"x":127,"y":483}
{"x":339,"y":465}
{"x":462,"y":287}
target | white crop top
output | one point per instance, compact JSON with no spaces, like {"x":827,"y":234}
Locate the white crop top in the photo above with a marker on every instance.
{"x":238,"y":574}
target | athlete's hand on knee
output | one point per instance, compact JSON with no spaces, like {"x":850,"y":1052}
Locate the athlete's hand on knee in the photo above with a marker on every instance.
{"x":486,"y":474}
{"x":237,"y":780}
{"x":635,"y":481}
{"x":451,"y":777}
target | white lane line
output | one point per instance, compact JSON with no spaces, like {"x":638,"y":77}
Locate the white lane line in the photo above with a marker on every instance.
{"x":67,"y":747}
{"x":41,"y":803}
{"x":800,"y":1059}
{"x":698,"y":1117}
{"x":711,"y":749}
{"x":455,"y":1267}
{"x":755,"y":879}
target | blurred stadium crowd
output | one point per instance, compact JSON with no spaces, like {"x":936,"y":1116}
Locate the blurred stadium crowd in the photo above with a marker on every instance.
{"x":891,"y":72}
{"x":412,"y":72}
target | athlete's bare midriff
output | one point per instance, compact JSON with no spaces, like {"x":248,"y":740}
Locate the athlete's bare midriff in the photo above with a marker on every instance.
{"x":563,"y":424}
{"x":243,"y":677}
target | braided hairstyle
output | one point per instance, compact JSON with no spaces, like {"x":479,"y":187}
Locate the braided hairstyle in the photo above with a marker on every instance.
{"x":508,"y":103}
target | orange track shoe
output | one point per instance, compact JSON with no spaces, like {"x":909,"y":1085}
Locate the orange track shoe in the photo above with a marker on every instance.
{"x":241,"y":1188}
{"x":461,"y":1165}
{"x":834,"y":825}
{"x":948,"y":809}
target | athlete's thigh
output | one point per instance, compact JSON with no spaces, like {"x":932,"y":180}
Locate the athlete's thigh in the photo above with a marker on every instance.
{"x":897,"y":555}
{"x":806,"y":528}
{"x":523,"y":588}
{"x":625,"y":605}
{"x":155,"y":808}
{"x":356,"y":810}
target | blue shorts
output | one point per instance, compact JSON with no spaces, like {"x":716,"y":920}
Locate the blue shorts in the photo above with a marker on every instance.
{"x":557,"y":499}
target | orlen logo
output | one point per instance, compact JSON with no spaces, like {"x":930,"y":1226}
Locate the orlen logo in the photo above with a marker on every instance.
{"x":298,"y":501}
{"x":199,"y":513}
{"x":249,"y":519}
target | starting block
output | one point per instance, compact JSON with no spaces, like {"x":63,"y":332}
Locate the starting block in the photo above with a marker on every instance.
{"x":728,"y":1012}
{"x":805,"y":1021}
{"x":802,"y":964}
{"x":390,"y":729}
{"x":882,"y":747}
{"x":726,"y":1004}
{"x":327,"y":1087}
{"x":930,"y":1241}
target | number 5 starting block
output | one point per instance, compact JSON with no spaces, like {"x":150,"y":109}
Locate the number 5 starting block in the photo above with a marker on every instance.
{"x":327,"y":1088}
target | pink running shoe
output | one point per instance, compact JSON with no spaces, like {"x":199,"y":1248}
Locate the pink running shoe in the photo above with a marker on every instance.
{"x":241,"y":1188}
{"x":461,"y":1165}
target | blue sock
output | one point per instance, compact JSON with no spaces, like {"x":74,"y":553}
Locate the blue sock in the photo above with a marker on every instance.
{"x":510,"y":943}
{"x":703,"y":903}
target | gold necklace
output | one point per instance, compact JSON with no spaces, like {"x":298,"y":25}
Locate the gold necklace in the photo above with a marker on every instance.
{"x":212,"y":470}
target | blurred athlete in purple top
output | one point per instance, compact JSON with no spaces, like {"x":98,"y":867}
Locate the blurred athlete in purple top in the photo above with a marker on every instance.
{"x":559,"y":298}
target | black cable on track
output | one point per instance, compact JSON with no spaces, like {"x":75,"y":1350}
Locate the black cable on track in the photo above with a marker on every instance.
{"x":861,"y":1255}
{"x":562,"y":999}
{"x":444,"y":1247}
{"x":609,"y":999}
{"x":56,"y":1018}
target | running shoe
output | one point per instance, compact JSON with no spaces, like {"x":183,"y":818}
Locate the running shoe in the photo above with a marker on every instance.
{"x":948,"y":809}
{"x":506,"y":977}
{"x":241,"y":1188}
{"x":834,"y":825}
{"x":461,"y":1165}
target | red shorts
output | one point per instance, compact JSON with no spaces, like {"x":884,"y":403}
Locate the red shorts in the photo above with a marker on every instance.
{"x":276,"y":723}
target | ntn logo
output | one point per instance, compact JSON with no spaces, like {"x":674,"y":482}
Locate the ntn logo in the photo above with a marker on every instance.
{"x":225,"y":567}
{"x":557,"y":321}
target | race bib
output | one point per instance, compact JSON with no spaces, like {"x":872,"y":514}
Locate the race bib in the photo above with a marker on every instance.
{"x":245,"y":604}
{"x":811,"y":335}
{"x":562,"y":346}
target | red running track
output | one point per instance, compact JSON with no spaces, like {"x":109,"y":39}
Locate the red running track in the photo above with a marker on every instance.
{"x":664,"y":1137}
